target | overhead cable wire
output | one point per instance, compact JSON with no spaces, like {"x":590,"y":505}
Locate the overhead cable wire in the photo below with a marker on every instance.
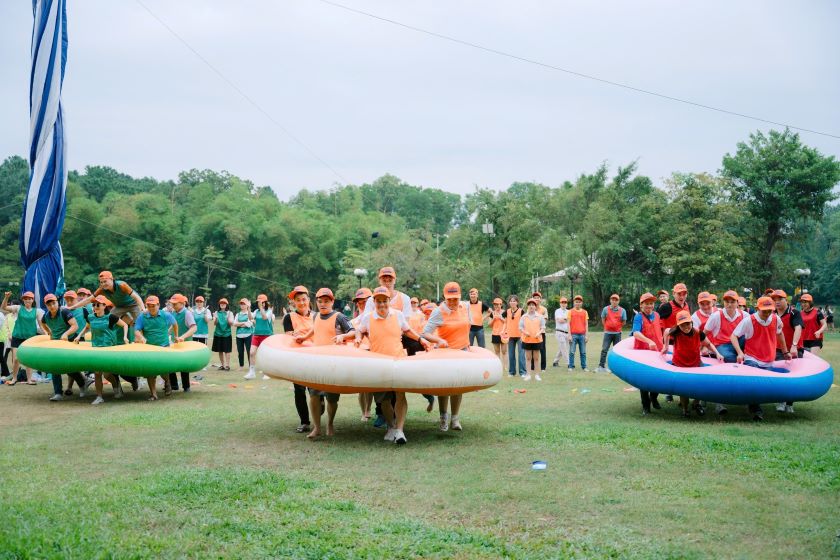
{"x":242,"y":93}
{"x":573,"y":72}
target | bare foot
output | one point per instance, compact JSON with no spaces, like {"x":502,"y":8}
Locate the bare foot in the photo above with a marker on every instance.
{"x":314,"y":434}
{"x":330,"y":430}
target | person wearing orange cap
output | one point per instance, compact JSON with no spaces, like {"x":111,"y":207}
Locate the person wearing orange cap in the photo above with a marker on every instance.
{"x":578,"y":332}
{"x":542,"y":311}
{"x":27,"y":317}
{"x":222,"y":339}
{"x":705,"y":304}
{"x":203,"y":318}
{"x":416,"y":319}
{"x":792,"y":331}
{"x":531,"y":325}
{"x":186,"y":328}
{"x":479,"y":312}
{"x":449,"y":327}
{"x":613,"y":318}
{"x":516,"y":355}
{"x":668,"y":311}
{"x":388,"y":279}
{"x":127,"y":303}
{"x":663,"y":296}
{"x":80,"y":314}
{"x":153,"y":327}
{"x":102,"y":326}
{"x":762,"y":334}
{"x":244,"y":323}
{"x":561,"y":332}
{"x":263,"y":318}
{"x":688,"y":341}
{"x":497,"y":326}
{"x":385,"y":328}
{"x":60,"y":324}
{"x":647,"y":334}
{"x":298,"y":324}
{"x":722,"y":323}
{"x":359,"y":303}
{"x":814,"y":324}
{"x":742,"y":304}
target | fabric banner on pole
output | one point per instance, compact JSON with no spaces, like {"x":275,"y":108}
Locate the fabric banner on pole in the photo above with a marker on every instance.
{"x":45,"y":205}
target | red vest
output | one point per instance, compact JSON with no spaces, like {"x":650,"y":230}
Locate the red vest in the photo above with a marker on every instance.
{"x":810,"y":325}
{"x":703,"y":320}
{"x":762,"y":345}
{"x":671,"y":321}
{"x":612,"y":323}
{"x":727,"y":327}
{"x":686,"y":349}
{"x":652,"y":330}
{"x":787,"y":330}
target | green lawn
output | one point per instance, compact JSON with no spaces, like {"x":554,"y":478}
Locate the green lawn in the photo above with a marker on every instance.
{"x":221,"y":473}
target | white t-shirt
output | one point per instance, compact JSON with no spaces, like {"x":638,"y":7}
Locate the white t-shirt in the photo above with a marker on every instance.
{"x":745,"y":329}
{"x":714,"y":322}
{"x":561,"y":319}
{"x":364,"y":321}
{"x":696,"y":318}
{"x":406,"y":303}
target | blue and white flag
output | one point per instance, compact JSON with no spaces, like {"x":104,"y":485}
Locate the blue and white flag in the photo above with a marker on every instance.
{"x":45,"y":204}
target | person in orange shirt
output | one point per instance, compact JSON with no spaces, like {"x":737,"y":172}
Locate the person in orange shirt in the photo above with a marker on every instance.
{"x":578,"y":332}
{"x":543,"y":312}
{"x":497,"y":324}
{"x":613,"y":318}
{"x":814,"y":324}
{"x":385,"y":328}
{"x":479,"y":312}
{"x":298,"y":324}
{"x":449,"y":327}
{"x":359,"y":303}
{"x":512,"y":315}
{"x":531,"y":326}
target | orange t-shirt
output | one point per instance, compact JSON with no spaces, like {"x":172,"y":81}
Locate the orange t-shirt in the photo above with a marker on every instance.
{"x":578,"y":319}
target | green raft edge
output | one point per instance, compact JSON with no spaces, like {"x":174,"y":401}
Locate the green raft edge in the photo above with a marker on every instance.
{"x":127,"y":363}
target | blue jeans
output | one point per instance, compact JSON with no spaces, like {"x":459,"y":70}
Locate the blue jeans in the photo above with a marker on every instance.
{"x":514,"y":345}
{"x":477,"y":336}
{"x":609,"y":339}
{"x":728,"y":353}
{"x":577,"y":340}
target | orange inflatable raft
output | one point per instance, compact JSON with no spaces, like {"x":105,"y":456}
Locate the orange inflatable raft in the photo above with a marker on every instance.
{"x":346,"y":369}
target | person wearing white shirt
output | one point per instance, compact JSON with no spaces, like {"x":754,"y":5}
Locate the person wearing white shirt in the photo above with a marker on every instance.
{"x":561,"y":332}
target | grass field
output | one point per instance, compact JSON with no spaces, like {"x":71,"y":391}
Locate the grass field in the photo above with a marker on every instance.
{"x":220,"y":472}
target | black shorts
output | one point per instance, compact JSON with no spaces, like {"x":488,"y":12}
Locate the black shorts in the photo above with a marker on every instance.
{"x":222,"y":344}
{"x":496,"y":338}
{"x":813,"y":343}
{"x":201,"y":339}
{"x":17,"y":341}
{"x":531,"y":345}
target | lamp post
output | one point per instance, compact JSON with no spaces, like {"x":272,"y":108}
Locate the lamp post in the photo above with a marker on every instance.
{"x":360,"y":273}
{"x":802,"y":273}
{"x":488,"y":230}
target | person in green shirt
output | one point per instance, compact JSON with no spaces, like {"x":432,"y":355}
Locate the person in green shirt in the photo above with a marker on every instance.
{"x":222,"y":341}
{"x":60,"y":324}
{"x":203,"y":318}
{"x":186,"y":325}
{"x":244,"y":323}
{"x":27,"y":317}
{"x":263,"y":318}
{"x":153,"y":327}
{"x":102,"y":326}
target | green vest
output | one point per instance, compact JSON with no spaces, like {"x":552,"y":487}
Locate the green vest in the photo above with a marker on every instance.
{"x":242,"y":332}
{"x":56,"y":324}
{"x":79,"y":315}
{"x":155,"y":329}
{"x":101,"y":333}
{"x":118,"y":298}
{"x":222,"y":329}
{"x":263,"y":327}
{"x":26,"y":324}
{"x":181,"y":319}
{"x":200,"y":322}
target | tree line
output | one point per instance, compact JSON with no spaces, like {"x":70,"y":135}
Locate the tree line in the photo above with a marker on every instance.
{"x":765,"y":213}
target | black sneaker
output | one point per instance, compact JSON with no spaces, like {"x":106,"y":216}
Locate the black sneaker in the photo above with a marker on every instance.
{"x":669,"y":398}
{"x":758,"y":416}
{"x":645,"y":411}
{"x":68,"y":392}
{"x":655,"y":404}
{"x":686,"y":414}
{"x":554,"y":364}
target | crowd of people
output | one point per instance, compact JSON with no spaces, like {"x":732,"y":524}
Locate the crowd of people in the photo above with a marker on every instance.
{"x":388,"y":321}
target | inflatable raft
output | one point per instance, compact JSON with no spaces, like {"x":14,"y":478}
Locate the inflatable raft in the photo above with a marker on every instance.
{"x":346,"y":369}
{"x":804,"y":379}
{"x":131,"y":360}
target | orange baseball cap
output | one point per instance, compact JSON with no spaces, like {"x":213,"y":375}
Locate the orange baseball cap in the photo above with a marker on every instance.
{"x":564,"y":300}
{"x":765,"y":304}
{"x":70,"y":294}
{"x":103,"y":299}
{"x":530,"y":301}
{"x":683,"y":317}
{"x":387,"y":271}
{"x":84,"y":291}
{"x":243,"y":300}
{"x":778,"y":294}
{"x":616,"y":296}
{"x":578,"y":298}
{"x":27,"y":295}
{"x":678,"y":288}
{"x":106,"y":275}
{"x":428,"y":308}
{"x":704,"y":296}
{"x":807,"y":297}
{"x":199,"y":298}
{"x":498,"y":300}
{"x":324,"y":292}
{"x":451,"y":290}
{"x":50,"y":297}
{"x":381,"y":291}
{"x":179,"y":298}
{"x":647,"y":296}
{"x":536,"y":294}
{"x":660,"y":292}
{"x":362,"y":293}
{"x":224,"y":300}
{"x":731,"y":294}
{"x":262,"y":297}
{"x":298,"y":290}
{"x":742,"y":301}
{"x":152,"y":300}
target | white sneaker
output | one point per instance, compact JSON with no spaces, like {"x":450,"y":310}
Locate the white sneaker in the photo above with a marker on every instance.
{"x":781,"y":407}
{"x":265,"y":378}
{"x":390,"y":434}
{"x":81,"y":394}
{"x":789,"y":409}
{"x":98,"y":400}
{"x":250,"y":375}
{"x":444,"y":422}
{"x":586,"y":369}
{"x":571,"y":369}
{"x":537,"y":377}
{"x":456,"y":423}
{"x":118,"y":392}
{"x":601,"y":370}
{"x":57,"y":397}
{"x":399,"y":437}
{"x":88,"y":381}
{"x":526,"y":377}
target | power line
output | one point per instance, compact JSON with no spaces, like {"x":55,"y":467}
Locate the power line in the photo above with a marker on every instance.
{"x":572,"y":72}
{"x":242,"y":93}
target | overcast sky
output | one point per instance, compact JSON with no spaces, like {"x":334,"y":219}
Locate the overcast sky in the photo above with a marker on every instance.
{"x":371,"y":98}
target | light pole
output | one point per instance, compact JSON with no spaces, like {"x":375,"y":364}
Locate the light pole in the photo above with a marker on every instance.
{"x":487,"y":229}
{"x":360,"y":273}
{"x":802,"y":273}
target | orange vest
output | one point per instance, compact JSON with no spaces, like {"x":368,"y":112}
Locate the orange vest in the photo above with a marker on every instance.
{"x":512,"y":322}
{"x":532,"y":329}
{"x":455,"y":329}
{"x":301,"y":325}
{"x":397,"y":301}
{"x":386,"y":335}
{"x":417,"y":321}
{"x":477,"y":319}
{"x":497,"y":323}
{"x":577,"y":321}
{"x":324,"y":330}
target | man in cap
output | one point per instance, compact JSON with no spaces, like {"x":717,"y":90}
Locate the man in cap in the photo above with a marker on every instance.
{"x":561,"y":332}
{"x":153,"y":327}
{"x":578,"y":332}
{"x":792,"y":332}
{"x":613,"y":318}
{"x":668,"y":312}
{"x":60,"y":324}
{"x":479,"y":311}
{"x":814,"y":324}
{"x":186,"y":328}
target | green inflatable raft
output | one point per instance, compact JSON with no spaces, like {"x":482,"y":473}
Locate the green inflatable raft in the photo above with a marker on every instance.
{"x":131,"y":360}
